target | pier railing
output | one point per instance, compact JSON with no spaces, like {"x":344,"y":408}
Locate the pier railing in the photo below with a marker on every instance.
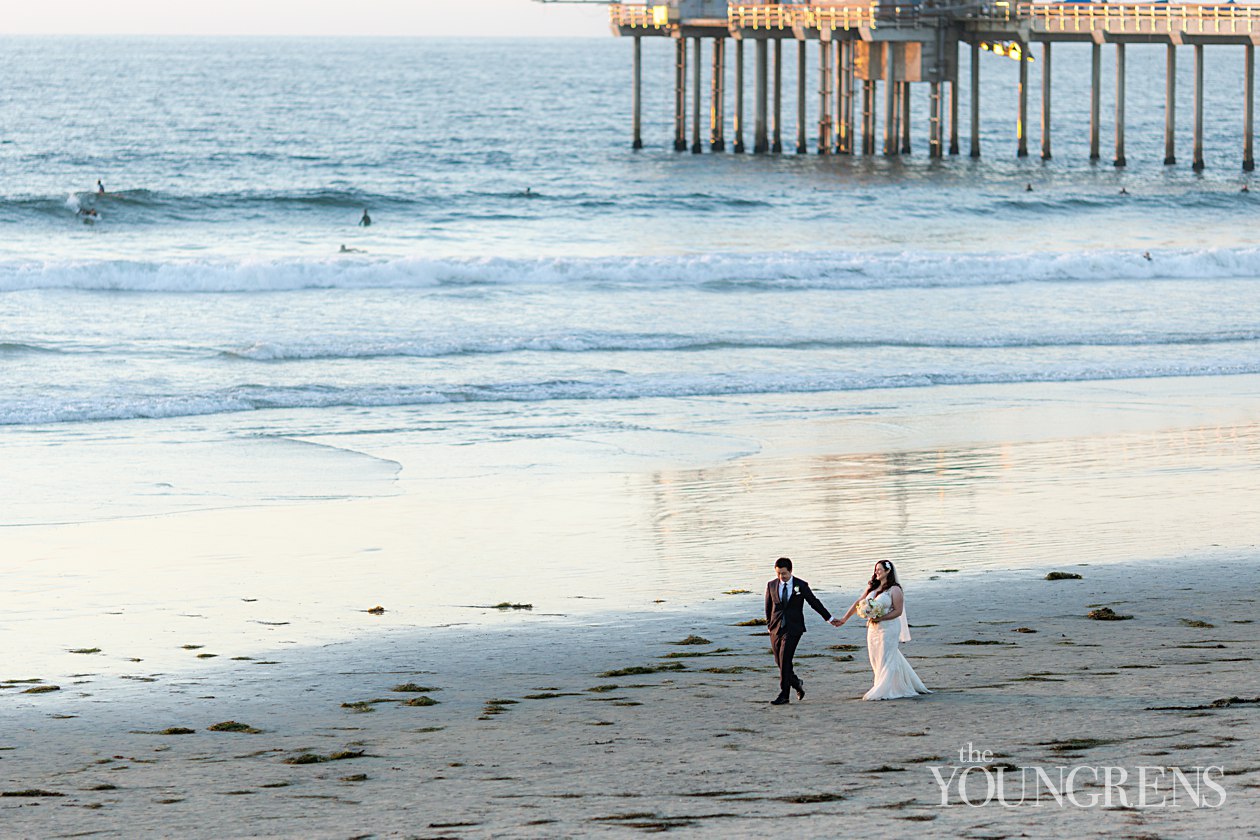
{"x":1138,"y":19}
{"x":833,"y":16}
{"x":638,"y":16}
{"x":1050,"y":18}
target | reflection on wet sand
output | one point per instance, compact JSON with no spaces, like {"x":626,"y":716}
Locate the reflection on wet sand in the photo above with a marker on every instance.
{"x":1004,"y":505}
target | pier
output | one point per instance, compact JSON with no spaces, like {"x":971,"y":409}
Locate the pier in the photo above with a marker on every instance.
{"x":866,"y":56}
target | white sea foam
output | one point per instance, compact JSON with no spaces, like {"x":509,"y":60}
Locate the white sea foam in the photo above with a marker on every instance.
{"x":780,"y":270}
{"x":49,"y":410}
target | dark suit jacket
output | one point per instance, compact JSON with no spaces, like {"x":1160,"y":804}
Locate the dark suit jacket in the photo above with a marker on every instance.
{"x":790,"y":617}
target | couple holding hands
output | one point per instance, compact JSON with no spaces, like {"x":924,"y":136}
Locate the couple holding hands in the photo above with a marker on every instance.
{"x":883,"y":606}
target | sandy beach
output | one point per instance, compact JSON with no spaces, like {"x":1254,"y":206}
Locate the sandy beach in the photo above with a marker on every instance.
{"x":535,"y":734}
{"x":582,"y":716}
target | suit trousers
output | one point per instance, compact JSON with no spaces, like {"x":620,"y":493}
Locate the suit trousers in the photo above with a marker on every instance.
{"x":784,"y":647}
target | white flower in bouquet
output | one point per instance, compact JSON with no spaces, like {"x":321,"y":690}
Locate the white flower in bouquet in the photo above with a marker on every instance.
{"x":869,"y":608}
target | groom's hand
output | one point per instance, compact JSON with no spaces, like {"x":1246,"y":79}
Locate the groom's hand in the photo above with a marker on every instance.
{"x":836,"y":622}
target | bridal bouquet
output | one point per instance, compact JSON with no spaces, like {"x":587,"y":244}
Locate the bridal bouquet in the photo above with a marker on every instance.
{"x":870,"y":608}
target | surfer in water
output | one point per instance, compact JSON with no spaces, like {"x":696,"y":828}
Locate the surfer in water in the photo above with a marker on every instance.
{"x":345,"y":250}
{"x":100,"y":188}
{"x":88,"y":214}
{"x":366,"y":221}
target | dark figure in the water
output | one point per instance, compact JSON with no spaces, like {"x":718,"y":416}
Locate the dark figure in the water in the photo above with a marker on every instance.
{"x":1123,"y":191}
{"x":345,"y":250}
{"x":366,"y":221}
{"x":1146,"y":255}
{"x":1028,"y":188}
{"x":100,"y":188}
{"x":1244,"y":189}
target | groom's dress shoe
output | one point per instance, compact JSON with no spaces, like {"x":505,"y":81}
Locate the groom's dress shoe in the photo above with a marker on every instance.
{"x":800,"y":690}
{"x":781,"y":700}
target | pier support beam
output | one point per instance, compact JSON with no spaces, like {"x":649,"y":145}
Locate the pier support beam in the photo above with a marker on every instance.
{"x":636,"y":96}
{"x":1095,"y":100}
{"x":760,"y":142}
{"x":1249,"y":91}
{"x":1021,"y":129}
{"x":824,"y":97}
{"x":802,"y":144}
{"x":1170,"y":106}
{"x":680,"y":95}
{"x":975,"y":99}
{"x":1198,"y":108}
{"x":1120,"y":161}
{"x":717,"y":97}
{"x":776,"y":140}
{"x":696,"y":82}
{"x":1045,"y":101}
{"x":739,"y":97}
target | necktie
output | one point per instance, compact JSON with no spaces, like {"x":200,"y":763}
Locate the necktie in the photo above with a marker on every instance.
{"x":783,"y":593}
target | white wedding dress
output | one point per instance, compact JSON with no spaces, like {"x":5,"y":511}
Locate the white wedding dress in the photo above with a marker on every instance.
{"x":894,"y":677}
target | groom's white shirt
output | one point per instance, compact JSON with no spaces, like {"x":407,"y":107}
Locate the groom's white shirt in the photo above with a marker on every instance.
{"x":790,"y":583}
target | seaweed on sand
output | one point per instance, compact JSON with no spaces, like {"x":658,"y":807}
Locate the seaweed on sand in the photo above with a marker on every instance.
{"x":234,"y":726}
{"x":643,"y":669}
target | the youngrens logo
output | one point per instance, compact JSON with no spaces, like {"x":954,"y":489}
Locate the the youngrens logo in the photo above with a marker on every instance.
{"x":977,"y":783}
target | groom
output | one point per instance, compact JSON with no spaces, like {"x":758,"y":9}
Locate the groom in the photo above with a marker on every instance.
{"x":785,"y":619}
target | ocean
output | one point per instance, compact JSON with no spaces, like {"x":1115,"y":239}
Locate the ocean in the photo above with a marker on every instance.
{"x":523,"y":259}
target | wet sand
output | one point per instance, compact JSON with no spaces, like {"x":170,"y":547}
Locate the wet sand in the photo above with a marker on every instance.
{"x":625,"y":533}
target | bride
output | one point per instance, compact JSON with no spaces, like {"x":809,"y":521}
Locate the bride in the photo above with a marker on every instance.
{"x":894,"y":677}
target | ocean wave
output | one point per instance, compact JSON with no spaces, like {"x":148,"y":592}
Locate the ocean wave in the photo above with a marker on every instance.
{"x":17,"y":348}
{"x":247,"y":398}
{"x":786,"y":270}
{"x":613,"y":342}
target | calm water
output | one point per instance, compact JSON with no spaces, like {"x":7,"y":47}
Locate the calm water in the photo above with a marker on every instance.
{"x":211,"y":284}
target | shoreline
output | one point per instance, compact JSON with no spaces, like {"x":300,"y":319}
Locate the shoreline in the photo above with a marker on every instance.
{"x":676,"y":745}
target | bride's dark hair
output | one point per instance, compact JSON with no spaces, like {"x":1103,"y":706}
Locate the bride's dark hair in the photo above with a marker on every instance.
{"x":873,"y":587}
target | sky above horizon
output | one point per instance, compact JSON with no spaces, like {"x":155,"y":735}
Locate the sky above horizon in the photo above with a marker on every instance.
{"x":446,"y":18}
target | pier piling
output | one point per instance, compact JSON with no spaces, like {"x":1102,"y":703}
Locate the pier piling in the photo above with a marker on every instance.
{"x":935,"y":148}
{"x":1170,"y":106}
{"x":636,"y":97}
{"x":953,"y":109}
{"x":680,"y":95}
{"x":1197,"y":165}
{"x":890,"y":103}
{"x":738,"y":124}
{"x":696,"y":82}
{"x":868,"y":117}
{"x":905,"y":118}
{"x":975,"y":99}
{"x":776,"y":141}
{"x":1021,"y":129}
{"x":850,"y":69}
{"x":1095,"y":100}
{"x":760,"y":142}
{"x":838,"y":88}
{"x":824,"y":97}
{"x":802,"y":144}
{"x":717,"y":97}
{"x":1120,"y":161}
{"x":1045,"y":101}
{"x":1249,"y":90}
